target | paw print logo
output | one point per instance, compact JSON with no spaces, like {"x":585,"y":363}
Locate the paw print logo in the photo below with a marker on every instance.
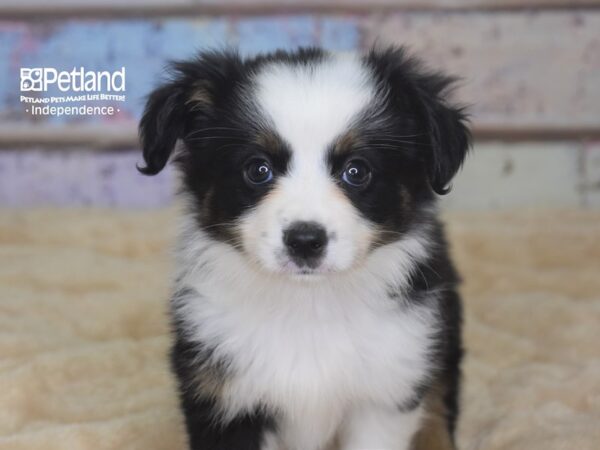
{"x":31,"y":79}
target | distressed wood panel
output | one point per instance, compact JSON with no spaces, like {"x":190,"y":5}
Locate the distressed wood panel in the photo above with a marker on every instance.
{"x":520,"y":70}
{"x":39,"y":177}
{"x":590,"y":166}
{"x":250,"y":6}
{"x":70,"y":136}
{"x":518,"y":175}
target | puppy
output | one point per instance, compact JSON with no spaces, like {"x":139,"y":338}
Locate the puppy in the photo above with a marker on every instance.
{"x":314,"y":304}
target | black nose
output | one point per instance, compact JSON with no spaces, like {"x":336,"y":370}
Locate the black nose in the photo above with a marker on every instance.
{"x":306,"y":242}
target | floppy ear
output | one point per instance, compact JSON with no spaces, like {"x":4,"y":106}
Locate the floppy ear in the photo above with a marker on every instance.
{"x":189,"y":95}
{"x":445,"y":129}
{"x":161,"y":125}
{"x":445,"y":137}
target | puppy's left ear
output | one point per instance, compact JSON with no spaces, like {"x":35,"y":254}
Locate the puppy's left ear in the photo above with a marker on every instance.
{"x":446,"y":136}
{"x":443,"y":134}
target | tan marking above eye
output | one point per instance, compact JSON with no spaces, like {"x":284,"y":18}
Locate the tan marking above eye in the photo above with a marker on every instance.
{"x":346,"y":142}
{"x":269,"y":141}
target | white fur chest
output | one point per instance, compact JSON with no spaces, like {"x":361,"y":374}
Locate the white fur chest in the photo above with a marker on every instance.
{"x":309,"y":350}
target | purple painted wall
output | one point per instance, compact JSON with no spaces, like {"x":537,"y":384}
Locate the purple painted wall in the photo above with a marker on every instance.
{"x":79,"y":177}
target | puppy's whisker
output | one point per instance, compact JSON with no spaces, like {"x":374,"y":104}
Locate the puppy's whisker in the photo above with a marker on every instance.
{"x":221,"y":224}
{"x":391,"y":142}
{"x":391,"y":136}
{"x":202,"y":130}
{"x":213,"y":137}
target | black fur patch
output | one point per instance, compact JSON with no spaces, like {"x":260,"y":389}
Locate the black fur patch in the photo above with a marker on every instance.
{"x":436,"y":278}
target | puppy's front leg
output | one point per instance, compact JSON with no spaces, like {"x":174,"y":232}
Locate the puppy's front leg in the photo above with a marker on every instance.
{"x":434,"y":433}
{"x":375,"y":427}
{"x":199,"y":388}
{"x":246,"y":432}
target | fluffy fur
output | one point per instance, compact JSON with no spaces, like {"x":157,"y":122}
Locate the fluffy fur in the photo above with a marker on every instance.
{"x":314,"y":304}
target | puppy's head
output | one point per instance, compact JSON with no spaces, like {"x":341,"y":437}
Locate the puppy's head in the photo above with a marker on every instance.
{"x":306,"y":162}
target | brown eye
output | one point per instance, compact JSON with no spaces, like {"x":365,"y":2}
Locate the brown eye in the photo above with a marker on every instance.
{"x":258,"y":171}
{"x":357,"y":173}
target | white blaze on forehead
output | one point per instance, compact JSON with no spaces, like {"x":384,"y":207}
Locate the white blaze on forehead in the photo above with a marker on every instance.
{"x":310,"y":105}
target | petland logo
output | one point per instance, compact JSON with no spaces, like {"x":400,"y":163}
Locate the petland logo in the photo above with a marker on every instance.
{"x":87,"y":86}
{"x":77,"y":80}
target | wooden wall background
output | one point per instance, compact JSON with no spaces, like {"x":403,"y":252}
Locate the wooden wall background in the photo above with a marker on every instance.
{"x":530,"y":69}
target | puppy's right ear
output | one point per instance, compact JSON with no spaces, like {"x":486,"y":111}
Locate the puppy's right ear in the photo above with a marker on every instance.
{"x":161,"y":125}
{"x":190,"y":94}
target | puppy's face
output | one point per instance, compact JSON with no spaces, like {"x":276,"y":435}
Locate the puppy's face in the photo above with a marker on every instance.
{"x":306,"y":162}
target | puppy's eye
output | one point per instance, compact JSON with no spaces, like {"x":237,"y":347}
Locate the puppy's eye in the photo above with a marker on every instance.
{"x":258,"y":171}
{"x":357,"y":173}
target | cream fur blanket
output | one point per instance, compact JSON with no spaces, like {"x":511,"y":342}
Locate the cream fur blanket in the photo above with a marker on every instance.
{"x":83,"y":335}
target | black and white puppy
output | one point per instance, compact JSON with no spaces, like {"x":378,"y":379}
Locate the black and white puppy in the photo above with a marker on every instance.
{"x":315,"y":304}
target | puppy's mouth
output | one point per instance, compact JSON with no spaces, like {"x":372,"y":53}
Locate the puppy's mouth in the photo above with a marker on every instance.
{"x":302,"y":271}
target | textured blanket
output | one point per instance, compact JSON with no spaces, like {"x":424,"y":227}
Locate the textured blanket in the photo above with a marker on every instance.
{"x":83,"y":330}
